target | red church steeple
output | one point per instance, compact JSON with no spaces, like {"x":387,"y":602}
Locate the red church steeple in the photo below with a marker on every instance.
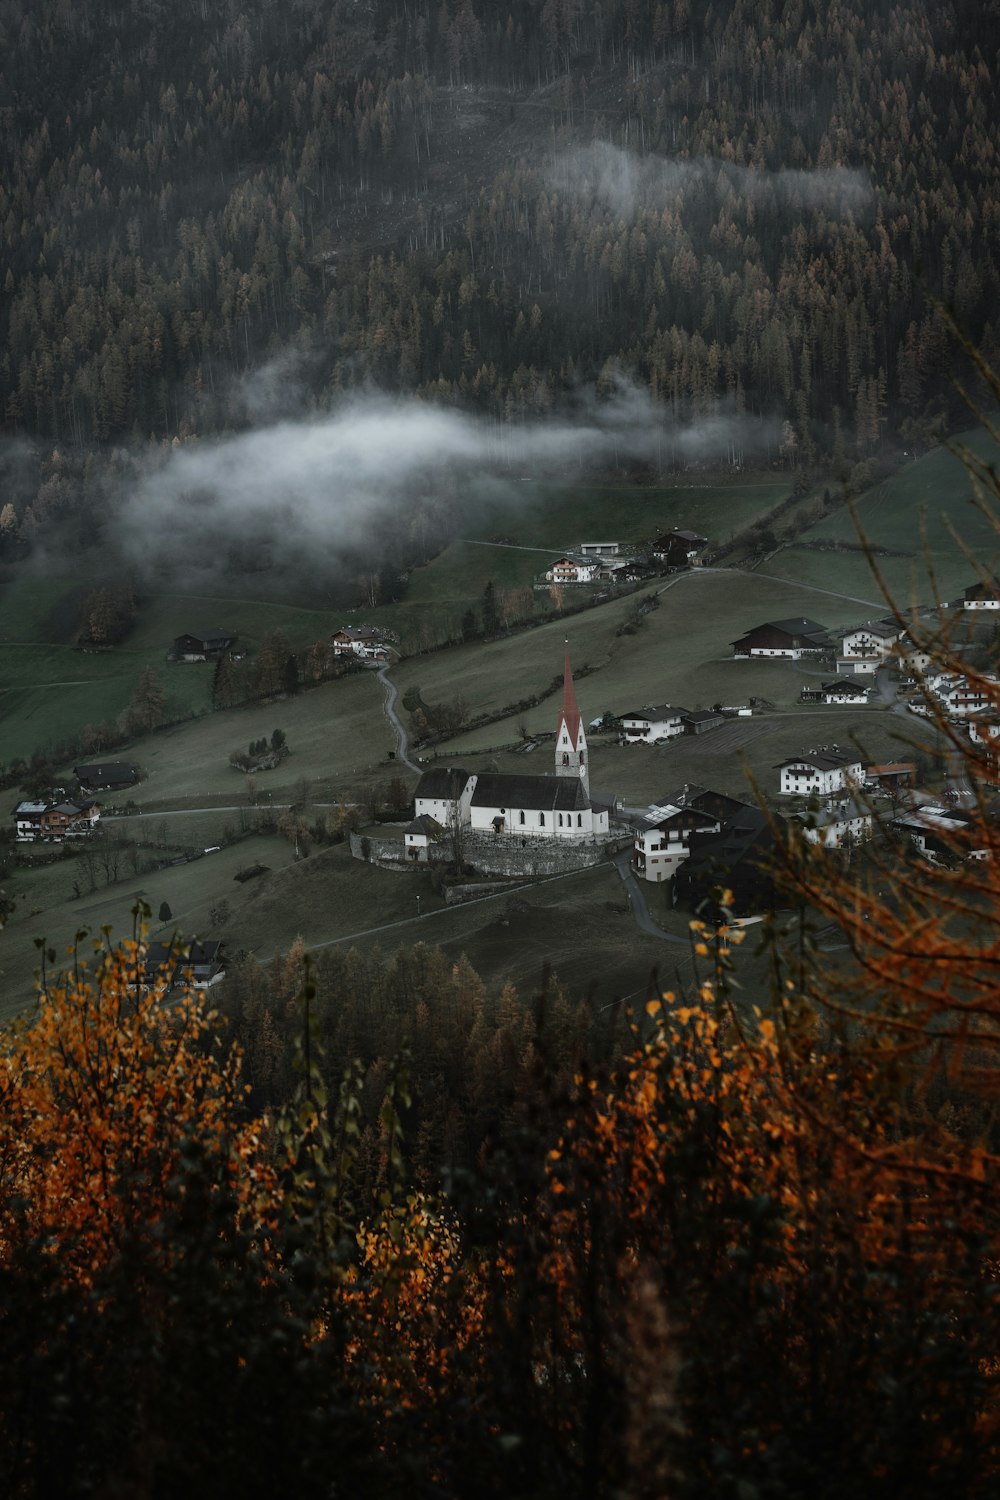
{"x":571,"y":742}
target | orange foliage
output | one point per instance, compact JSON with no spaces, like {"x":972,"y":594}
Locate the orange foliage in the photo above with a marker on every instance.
{"x":100,"y":1092}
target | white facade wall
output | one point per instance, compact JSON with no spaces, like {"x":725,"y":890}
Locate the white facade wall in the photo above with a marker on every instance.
{"x":858,"y":666}
{"x":864,"y":643}
{"x":546,"y":824}
{"x":445,"y":809}
{"x":832,"y":835}
{"x":802,"y":778}
{"x":645,"y":731}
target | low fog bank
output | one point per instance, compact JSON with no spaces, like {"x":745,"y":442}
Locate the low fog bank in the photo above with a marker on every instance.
{"x":367,"y":480}
{"x":626,"y":182}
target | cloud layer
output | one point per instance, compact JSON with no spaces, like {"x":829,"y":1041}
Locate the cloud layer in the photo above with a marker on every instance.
{"x":324,"y":488}
{"x":626,"y":183}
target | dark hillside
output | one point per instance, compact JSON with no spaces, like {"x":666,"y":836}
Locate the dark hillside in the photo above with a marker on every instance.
{"x":744,"y":203}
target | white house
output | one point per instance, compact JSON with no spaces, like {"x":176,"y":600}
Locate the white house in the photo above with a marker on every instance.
{"x":55,"y":821}
{"x":820,"y":771}
{"x":661,"y":847}
{"x":362,"y":640}
{"x":943,"y":834}
{"x":867,"y":646}
{"x":646,"y":726}
{"x":984,"y":729}
{"x":836,"y":822}
{"x":960,"y":697}
{"x":790,"y":638}
{"x":844,"y":690}
{"x":573,"y":570}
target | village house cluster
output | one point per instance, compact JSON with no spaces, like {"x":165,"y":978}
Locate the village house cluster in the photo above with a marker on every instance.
{"x":592,"y":562}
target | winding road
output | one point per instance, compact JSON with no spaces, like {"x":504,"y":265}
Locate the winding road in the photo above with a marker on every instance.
{"x":402,"y":743}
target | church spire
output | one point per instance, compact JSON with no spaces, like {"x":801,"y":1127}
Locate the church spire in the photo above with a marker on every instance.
{"x":570,"y":711}
{"x":571,"y":742}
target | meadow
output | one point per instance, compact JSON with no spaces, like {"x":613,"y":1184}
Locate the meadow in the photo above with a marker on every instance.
{"x":924,"y":522}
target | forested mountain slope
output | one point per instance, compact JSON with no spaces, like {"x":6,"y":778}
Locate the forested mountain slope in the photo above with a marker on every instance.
{"x":747,"y":201}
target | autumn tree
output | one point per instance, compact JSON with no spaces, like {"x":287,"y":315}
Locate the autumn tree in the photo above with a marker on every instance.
{"x":148,"y":705}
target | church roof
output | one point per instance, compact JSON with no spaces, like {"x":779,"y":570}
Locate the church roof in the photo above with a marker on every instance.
{"x":570,"y":712}
{"x":533,"y":793}
{"x":442,"y":782}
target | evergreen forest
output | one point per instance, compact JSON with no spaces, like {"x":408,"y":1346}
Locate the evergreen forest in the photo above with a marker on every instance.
{"x":754,"y":207}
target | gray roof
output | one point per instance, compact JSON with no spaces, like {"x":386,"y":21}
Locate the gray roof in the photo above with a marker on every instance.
{"x":654,"y":711}
{"x":538,"y":793}
{"x":425,"y":824}
{"x":209,"y":637}
{"x":821,"y":760}
{"x":442,"y":782}
{"x":698,"y":715}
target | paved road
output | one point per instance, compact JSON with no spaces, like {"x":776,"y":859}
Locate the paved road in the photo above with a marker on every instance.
{"x":637,"y":901}
{"x":403,"y":744}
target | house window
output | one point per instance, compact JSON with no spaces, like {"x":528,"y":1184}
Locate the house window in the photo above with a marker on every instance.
{"x":565,"y":759}
{"x":579,"y":820}
{"x":560,"y":820}
{"x":581,"y":757}
{"x":541,"y":820}
{"x":521,"y":817}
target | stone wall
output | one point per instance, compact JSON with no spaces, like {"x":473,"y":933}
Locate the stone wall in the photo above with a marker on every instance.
{"x":507,"y":857}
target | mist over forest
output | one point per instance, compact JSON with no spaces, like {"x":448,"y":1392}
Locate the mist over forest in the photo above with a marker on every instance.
{"x":237,"y":218}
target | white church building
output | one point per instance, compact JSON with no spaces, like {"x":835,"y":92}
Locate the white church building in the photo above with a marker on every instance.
{"x":551,"y":808}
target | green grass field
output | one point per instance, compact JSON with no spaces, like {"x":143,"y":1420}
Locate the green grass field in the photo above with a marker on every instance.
{"x":539,"y":522}
{"x":49,"y":689}
{"x":924,"y":514}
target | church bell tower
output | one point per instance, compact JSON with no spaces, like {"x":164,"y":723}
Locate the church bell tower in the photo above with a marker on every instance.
{"x":571,"y":742}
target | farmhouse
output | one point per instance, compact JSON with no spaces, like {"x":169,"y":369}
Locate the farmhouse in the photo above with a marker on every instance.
{"x":197,"y":963}
{"x":822,"y":771}
{"x":55,"y":821}
{"x":572,"y":570}
{"x":679,"y":549}
{"x":205,"y":645}
{"x":648,"y":726}
{"x":106,"y":775}
{"x":863,"y":649}
{"x":982,"y":595}
{"x":840,"y":690}
{"x":363,"y":641}
{"x":791,"y":638}
{"x":660,"y":847}
{"x":836,"y":822}
{"x":960,"y":697}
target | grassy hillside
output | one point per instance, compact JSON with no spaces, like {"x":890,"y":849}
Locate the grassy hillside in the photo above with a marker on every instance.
{"x":49,"y":689}
{"x":513,"y":540}
{"x":922,"y":518}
